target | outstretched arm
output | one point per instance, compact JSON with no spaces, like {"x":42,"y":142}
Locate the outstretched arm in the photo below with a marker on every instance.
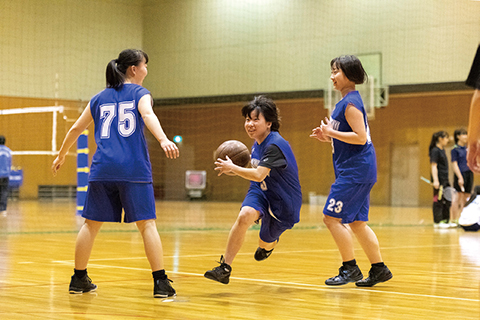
{"x":153,"y":125}
{"x":473,"y":144}
{"x":257,"y":174}
{"x":75,"y":131}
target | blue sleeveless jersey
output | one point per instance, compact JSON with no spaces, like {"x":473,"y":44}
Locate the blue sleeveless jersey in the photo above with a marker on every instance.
{"x":281,"y":187}
{"x":122,"y":153}
{"x":356,"y":163}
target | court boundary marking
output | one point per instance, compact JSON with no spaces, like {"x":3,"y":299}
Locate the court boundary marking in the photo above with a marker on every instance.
{"x":222,"y":229}
{"x":249,"y":253}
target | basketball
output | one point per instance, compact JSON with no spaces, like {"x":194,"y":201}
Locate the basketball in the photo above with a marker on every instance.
{"x":235,"y":150}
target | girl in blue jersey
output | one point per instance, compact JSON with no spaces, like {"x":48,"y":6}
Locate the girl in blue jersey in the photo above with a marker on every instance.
{"x":121,"y":174}
{"x":355,"y":167}
{"x":274,"y":196}
{"x":463,"y":176}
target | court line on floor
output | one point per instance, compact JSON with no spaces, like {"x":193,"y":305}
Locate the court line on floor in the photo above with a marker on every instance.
{"x":293,"y":284}
{"x":202,"y":229}
{"x":249,"y":253}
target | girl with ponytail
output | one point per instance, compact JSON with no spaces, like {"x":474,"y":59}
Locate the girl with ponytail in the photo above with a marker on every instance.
{"x":121,"y":174}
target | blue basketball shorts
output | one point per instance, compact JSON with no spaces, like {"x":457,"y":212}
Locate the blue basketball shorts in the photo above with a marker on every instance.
{"x":106,"y":199}
{"x":271,"y":227}
{"x":348,"y":201}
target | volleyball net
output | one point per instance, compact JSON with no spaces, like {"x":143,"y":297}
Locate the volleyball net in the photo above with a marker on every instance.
{"x":36,"y":130}
{"x":34,"y":134}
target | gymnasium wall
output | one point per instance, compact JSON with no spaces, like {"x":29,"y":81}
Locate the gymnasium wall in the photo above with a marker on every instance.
{"x":55,"y":51}
{"x":410,"y":119}
{"x":60,"y":48}
{"x":223,"y":47}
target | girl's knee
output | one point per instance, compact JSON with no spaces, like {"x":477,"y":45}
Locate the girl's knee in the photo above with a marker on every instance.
{"x":358,"y":226}
{"x":144,"y":224}
{"x":248,"y":215}
{"x":93,"y":225}
{"x":330,"y":221}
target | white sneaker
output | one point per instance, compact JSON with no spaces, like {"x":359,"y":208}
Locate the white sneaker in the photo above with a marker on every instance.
{"x":441,"y":225}
{"x":3,"y":213}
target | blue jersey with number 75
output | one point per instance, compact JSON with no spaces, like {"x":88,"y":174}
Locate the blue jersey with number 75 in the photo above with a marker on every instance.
{"x":122,"y":153}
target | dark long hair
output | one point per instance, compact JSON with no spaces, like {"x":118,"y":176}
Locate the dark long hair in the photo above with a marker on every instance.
{"x":435,"y":137}
{"x":117,"y":68}
{"x":265,"y":106}
{"x":351,"y":67}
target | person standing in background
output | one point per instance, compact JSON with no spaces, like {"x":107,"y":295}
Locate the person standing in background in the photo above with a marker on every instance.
{"x":439,"y":172}
{"x":463,"y":176}
{"x":5,"y":167}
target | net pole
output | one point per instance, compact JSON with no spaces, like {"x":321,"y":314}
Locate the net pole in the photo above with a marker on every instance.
{"x":82,"y":171}
{"x":54,"y":131}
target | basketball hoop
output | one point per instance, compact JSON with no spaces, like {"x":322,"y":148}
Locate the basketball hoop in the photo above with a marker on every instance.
{"x":373,"y":96}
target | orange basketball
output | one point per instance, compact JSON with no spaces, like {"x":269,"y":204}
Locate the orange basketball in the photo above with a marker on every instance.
{"x":235,"y":150}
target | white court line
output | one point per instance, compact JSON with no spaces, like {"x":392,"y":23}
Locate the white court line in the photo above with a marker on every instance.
{"x":248,"y":253}
{"x":196,"y":255}
{"x":296,"y":285}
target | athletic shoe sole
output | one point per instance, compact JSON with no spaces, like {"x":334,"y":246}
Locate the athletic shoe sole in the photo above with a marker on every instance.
{"x":388,"y":277}
{"x":163,"y":296}
{"x":80,"y":291}
{"x":215,"y":279}
{"x":360,"y":277}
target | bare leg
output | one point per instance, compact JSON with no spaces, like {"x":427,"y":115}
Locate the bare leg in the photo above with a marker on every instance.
{"x":84,"y":244}
{"x":245,"y":219}
{"x":152,"y":243}
{"x":342,"y":237}
{"x":368,"y":240}
{"x":466,"y":197}
{"x":462,"y":198}
{"x":457,"y":206}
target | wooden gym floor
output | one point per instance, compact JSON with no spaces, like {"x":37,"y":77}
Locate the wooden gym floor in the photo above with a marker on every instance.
{"x":436,"y":272}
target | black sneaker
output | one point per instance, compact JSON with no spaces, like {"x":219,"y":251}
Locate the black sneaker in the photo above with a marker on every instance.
{"x":220,"y":273}
{"x":163,"y":288}
{"x":375,"y":275}
{"x":262,"y":254}
{"x":345,"y":275}
{"x":81,"y":285}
